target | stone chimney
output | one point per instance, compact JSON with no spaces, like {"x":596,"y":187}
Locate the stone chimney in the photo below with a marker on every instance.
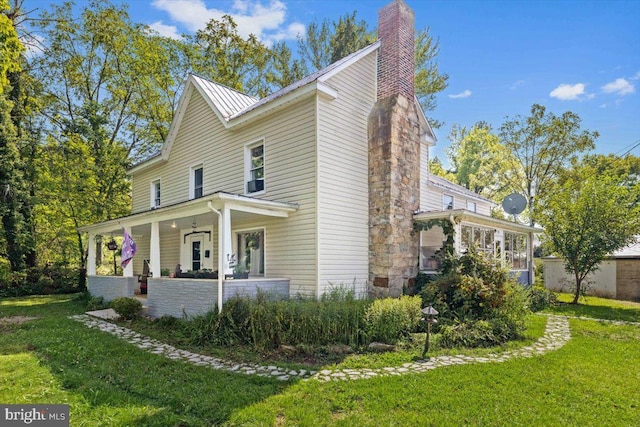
{"x":394,"y":157}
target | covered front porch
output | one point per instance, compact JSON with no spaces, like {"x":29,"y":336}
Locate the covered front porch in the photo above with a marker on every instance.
{"x":508,"y":241}
{"x":210,"y":238}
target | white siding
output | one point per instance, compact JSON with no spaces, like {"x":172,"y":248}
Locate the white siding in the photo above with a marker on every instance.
{"x":431,"y":200}
{"x":425,"y":196}
{"x":601,"y":283}
{"x":343,"y":206}
{"x":290,"y":176}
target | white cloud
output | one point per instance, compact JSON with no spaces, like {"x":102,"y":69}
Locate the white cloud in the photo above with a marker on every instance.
{"x":517,"y":84}
{"x":170,"y":31}
{"x":34,"y":44}
{"x":465,"y":94}
{"x":619,"y":87}
{"x":636,"y":76}
{"x":567,"y":92}
{"x":267,"y":22}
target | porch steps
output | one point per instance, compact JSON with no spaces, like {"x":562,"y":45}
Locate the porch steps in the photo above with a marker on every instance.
{"x":144,"y":312}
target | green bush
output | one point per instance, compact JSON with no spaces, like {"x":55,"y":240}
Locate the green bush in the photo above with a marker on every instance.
{"x":467,"y":334}
{"x":389,"y":319}
{"x":479,"y":302}
{"x":127,"y":308}
{"x":91,"y":303}
{"x":41,"y":281}
{"x":541,"y":298}
{"x":264,"y":324}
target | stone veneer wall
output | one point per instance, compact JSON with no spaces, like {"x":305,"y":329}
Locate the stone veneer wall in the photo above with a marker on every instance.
{"x":394,"y":157}
{"x":394,"y":195}
{"x":111,"y":287}
{"x":628,"y":279}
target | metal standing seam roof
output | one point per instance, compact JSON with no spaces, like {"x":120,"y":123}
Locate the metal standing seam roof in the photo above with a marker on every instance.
{"x":227,"y":100}
{"x":630,"y":251}
{"x":303,"y":82}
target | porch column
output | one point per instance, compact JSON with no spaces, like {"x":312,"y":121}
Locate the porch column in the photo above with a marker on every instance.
{"x":457,"y":244}
{"x":532,"y":265}
{"x":91,"y":255}
{"x":128,"y":270}
{"x":154,"y":255}
{"x":226,"y":240}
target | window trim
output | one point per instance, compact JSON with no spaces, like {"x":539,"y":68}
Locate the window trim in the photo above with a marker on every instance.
{"x":192,"y":180}
{"x":512,"y":250}
{"x":474,"y":204}
{"x":234,"y":244}
{"x":152,"y":193}
{"x":248,"y":166}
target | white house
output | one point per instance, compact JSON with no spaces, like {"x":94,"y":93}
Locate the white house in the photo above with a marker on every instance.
{"x":316,"y":185}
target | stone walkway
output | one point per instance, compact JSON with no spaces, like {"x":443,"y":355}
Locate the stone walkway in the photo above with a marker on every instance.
{"x":555,"y":336}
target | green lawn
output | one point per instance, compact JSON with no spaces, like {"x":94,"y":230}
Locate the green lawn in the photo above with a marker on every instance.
{"x":593,"y":380}
{"x":598,"y":308}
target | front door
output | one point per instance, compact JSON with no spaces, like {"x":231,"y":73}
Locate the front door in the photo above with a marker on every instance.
{"x":196,"y":244}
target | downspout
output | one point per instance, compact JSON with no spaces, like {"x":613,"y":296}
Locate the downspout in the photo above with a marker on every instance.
{"x":220,"y":254}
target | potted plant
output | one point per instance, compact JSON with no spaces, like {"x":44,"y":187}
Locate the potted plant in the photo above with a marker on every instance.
{"x":239,"y":272}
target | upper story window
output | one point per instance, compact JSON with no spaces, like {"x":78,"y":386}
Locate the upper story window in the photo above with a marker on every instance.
{"x":155,"y":194}
{"x":471,"y":206}
{"x":196,"y":182}
{"x":447,"y":202}
{"x":255,"y":168}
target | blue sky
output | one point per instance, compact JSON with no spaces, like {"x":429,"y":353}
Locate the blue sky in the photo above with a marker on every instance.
{"x":501,"y":56}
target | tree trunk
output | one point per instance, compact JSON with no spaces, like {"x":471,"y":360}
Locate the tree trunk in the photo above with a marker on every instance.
{"x":576,"y":297}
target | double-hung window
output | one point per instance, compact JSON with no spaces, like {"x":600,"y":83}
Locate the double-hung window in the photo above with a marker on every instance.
{"x":155,"y":194}
{"x":196,"y":182}
{"x":255,"y":168}
{"x":471,"y":206}
{"x":447,"y":202}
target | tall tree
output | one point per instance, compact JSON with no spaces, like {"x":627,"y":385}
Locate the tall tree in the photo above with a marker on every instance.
{"x":588,"y":217}
{"x":245,"y":64}
{"x":98,"y":72}
{"x":543,"y":144}
{"x":16,"y":143}
{"x":328,"y":42}
{"x":479,"y":162}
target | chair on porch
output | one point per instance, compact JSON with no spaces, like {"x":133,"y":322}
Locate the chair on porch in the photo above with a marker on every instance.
{"x":142,"y":279}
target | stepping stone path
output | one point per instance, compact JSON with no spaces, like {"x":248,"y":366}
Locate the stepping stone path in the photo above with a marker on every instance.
{"x":555,"y":336}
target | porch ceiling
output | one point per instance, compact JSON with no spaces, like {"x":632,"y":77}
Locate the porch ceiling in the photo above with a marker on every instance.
{"x":184,"y":214}
{"x":462,"y":215}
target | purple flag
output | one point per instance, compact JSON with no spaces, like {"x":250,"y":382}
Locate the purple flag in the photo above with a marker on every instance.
{"x":128,"y":249}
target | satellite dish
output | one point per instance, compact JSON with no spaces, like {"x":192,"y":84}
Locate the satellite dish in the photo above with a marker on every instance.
{"x":514,"y":203}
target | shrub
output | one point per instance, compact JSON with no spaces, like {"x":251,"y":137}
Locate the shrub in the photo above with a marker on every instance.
{"x":127,"y":308}
{"x":265,"y":324}
{"x":478,"y":298}
{"x":467,"y":334}
{"x":390,"y":319}
{"x":41,"y":281}
{"x":541,"y":298}
{"x":90,"y":302}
